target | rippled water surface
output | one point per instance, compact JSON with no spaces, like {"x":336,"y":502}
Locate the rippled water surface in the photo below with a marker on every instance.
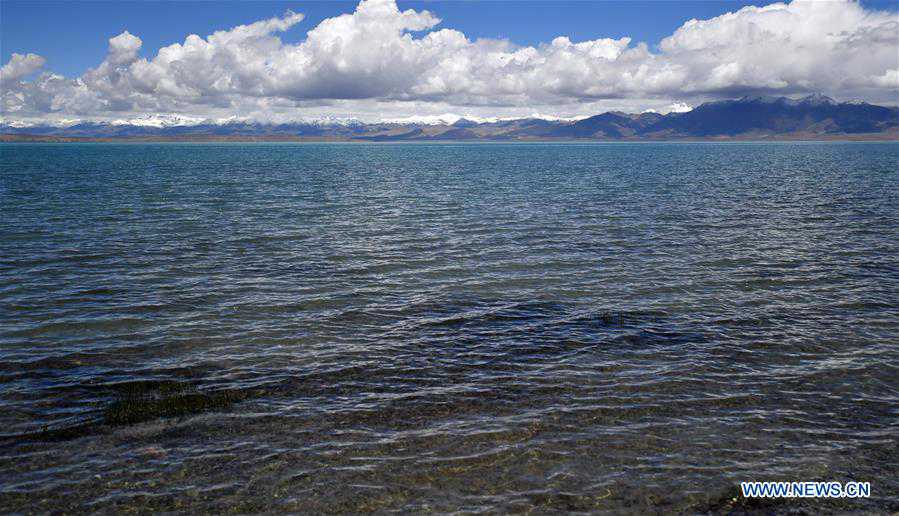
{"x":344,"y":328}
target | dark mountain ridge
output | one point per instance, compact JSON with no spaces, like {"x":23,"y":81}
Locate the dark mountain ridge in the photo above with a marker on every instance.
{"x":814,"y":114}
{"x":748,"y":117}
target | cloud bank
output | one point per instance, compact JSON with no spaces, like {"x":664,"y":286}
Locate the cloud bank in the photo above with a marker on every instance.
{"x":380,"y":61}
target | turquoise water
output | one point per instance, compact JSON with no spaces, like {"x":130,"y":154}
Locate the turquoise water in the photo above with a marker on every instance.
{"x":348,"y":327}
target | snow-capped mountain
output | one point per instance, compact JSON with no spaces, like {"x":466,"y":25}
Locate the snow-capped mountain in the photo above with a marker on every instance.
{"x":756,"y":117}
{"x":158,"y":120}
{"x":454,"y":119}
{"x":444,"y":119}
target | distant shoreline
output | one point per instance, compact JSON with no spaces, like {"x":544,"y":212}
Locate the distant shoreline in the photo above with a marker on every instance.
{"x":24,"y":138}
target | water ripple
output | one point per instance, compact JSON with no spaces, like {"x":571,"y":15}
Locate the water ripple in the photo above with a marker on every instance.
{"x":346,"y":328}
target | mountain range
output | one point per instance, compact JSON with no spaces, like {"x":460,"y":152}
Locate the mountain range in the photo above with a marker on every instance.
{"x":815,"y":116}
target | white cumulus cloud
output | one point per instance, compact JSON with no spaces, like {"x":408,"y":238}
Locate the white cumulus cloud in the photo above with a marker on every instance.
{"x":384,"y":62}
{"x":19,"y":66}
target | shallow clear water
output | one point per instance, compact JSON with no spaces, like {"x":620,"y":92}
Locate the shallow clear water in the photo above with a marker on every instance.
{"x":595,"y":327}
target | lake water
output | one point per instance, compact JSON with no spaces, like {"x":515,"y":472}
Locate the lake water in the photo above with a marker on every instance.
{"x":455,"y":327}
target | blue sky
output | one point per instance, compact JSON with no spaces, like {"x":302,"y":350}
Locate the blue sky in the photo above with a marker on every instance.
{"x":73,"y":35}
{"x":388,"y":59}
